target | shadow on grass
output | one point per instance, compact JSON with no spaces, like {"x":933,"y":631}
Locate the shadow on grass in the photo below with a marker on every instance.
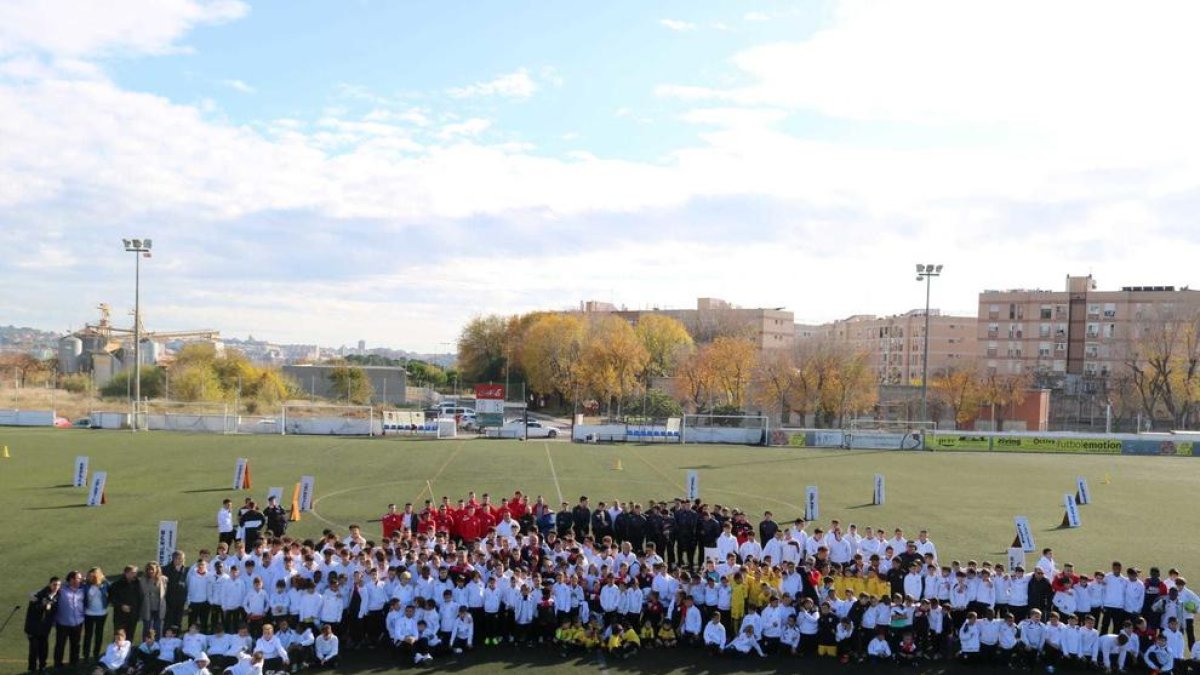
{"x":862,"y":506}
{"x":220,"y":489}
{"x":52,"y":508}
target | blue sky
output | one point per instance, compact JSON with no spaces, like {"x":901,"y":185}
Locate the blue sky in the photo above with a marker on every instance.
{"x":330,"y":171}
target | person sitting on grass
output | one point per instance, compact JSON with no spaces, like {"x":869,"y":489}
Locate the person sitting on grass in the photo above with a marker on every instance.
{"x":744,"y":643}
{"x":714,"y":635}
{"x":115,"y":656}
{"x":879,"y":650}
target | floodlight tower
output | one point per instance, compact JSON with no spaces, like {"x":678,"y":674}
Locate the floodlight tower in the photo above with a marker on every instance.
{"x":139,"y":248}
{"x":926,"y":273}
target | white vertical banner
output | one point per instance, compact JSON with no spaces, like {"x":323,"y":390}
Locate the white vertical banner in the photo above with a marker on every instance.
{"x":1072,"y":517}
{"x":276,"y":492}
{"x":167,"y":532}
{"x":693,"y":485}
{"x":1024,"y":534}
{"x":239,"y":474}
{"x":1016,"y":558}
{"x":79,"y":477}
{"x":96,"y":492}
{"x":877,"y":498}
{"x":1082,"y":494}
{"x":811,"y":508}
{"x":306,"y":492}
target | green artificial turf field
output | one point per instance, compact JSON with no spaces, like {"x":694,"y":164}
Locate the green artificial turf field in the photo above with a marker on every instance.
{"x":1144,"y":515}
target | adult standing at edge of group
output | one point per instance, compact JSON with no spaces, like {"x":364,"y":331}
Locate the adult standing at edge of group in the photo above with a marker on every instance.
{"x":767,"y":527}
{"x":68,"y":620}
{"x":39,"y":619}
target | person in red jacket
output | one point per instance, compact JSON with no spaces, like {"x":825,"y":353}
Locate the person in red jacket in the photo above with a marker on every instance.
{"x":1065,"y":579}
{"x":392,"y":521}
{"x":469,"y":526}
{"x":518,"y":506}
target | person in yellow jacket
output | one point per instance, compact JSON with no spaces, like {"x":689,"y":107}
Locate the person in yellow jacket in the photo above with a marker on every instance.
{"x":666,"y":635}
{"x":589,"y":638}
{"x":740,"y":594}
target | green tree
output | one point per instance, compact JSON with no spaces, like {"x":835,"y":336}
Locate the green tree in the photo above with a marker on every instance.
{"x":195,"y":382}
{"x":666,"y":341}
{"x":350,"y":383}
{"x":655,"y":404}
{"x":153,"y":380}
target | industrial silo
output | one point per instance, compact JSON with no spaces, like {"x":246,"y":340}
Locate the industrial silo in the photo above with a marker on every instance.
{"x":69,"y":350}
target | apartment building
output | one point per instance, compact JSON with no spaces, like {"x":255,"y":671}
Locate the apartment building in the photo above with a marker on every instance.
{"x":1079,"y":336}
{"x":896,"y":343}
{"x":768,"y":328}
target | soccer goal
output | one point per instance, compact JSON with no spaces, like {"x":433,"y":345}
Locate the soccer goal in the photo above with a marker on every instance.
{"x":193,"y":416}
{"x":732,"y":429}
{"x":328,"y":420}
{"x":889,"y":434}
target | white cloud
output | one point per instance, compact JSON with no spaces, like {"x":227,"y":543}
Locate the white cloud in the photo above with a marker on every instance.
{"x":517,"y":84}
{"x":471,"y":127}
{"x":677,"y":25}
{"x":72,"y":28}
{"x":756,"y":16}
{"x":239,"y":86}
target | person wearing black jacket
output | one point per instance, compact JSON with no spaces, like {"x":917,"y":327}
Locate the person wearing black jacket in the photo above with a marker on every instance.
{"x":684,"y":531}
{"x":1041,"y":593}
{"x":581,"y":518}
{"x":708,"y":531}
{"x":563,"y":520}
{"x":621,"y":526}
{"x":252,"y":521}
{"x":654,"y":529}
{"x":176,"y":575}
{"x":601,"y":523}
{"x":39,"y":619}
{"x":767,"y":528}
{"x":277,"y":518}
{"x":635,"y":528}
{"x":125,"y":597}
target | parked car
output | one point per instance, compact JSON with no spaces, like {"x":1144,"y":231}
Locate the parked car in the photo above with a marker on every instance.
{"x":533,"y":429}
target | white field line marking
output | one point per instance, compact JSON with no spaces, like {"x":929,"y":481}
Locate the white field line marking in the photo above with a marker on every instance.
{"x":553,"y":473}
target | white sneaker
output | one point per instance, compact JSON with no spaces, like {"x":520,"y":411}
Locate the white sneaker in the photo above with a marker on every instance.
{"x":458,"y":650}
{"x":416,"y":659}
{"x":427,"y":657}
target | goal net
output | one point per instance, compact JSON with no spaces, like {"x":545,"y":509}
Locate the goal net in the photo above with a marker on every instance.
{"x":198,"y":417}
{"x":733,"y":429}
{"x":888,"y":434}
{"x":328,"y":420}
{"x":416,"y":424}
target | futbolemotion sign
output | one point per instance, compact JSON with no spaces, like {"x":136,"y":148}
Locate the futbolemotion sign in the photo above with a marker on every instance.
{"x":1064,"y":444}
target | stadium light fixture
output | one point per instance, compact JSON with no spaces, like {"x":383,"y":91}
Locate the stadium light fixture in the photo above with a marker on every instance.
{"x":139,"y":248}
{"x":926,"y":273}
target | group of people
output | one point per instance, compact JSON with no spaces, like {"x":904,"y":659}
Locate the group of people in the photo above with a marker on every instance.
{"x":450,"y":579}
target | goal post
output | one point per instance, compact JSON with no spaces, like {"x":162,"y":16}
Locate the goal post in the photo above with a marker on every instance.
{"x":212,"y":417}
{"x":732,"y":429}
{"x":889,"y":434}
{"x":314,"y":419}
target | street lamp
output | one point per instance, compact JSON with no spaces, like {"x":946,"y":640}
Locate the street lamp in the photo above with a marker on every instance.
{"x":139,"y":248}
{"x":926,"y":273}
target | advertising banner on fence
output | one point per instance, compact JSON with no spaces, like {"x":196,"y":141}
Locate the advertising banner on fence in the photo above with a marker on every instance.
{"x":79,"y":477}
{"x":489,"y":404}
{"x":167,"y":532}
{"x":948,"y":442}
{"x":1098,"y":446}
